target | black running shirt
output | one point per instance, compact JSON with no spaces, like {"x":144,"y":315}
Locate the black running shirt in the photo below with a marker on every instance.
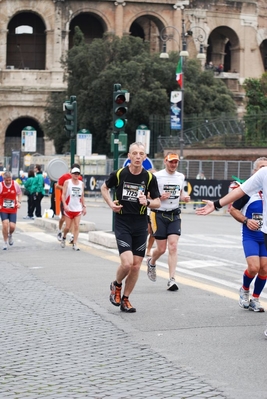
{"x":128,"y":186}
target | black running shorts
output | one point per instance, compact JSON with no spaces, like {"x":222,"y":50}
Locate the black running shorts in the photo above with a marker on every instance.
{"x":131,"y":233}
{"x":164,"y":224}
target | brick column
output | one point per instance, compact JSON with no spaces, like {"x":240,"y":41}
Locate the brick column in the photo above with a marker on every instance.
{"x":119,"y":4}
{"x":3,"y":44}
{"x":57,"y":47}
{"x":49,"y":49}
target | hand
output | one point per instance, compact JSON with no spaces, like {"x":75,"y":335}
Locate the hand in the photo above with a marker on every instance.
{"x":253,"y":224}
{"x":165,"y":195}
{"x":142,"y":199}
{"x":187,"y":198}
{"x":116,"y":207}
{"x":84,"y":211}
{"x":208,"y":208}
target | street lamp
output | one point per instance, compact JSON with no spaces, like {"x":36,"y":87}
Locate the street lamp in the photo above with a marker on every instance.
{"x":165,"y":37}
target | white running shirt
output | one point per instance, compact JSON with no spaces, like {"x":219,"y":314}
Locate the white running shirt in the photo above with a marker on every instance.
{"x":172,"y":183}
{"x":73,"y":196}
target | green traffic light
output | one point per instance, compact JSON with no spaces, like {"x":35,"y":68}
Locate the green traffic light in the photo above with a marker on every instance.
{"x":119,"y":123}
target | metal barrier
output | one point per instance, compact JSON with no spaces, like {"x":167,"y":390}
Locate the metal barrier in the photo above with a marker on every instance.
{"x":218,"y":170}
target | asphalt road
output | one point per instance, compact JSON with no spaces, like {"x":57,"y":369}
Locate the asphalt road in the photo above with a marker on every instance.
{"x":200,"y":328}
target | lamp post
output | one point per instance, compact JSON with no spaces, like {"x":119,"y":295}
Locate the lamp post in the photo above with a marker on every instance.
{"x":165,"y":37}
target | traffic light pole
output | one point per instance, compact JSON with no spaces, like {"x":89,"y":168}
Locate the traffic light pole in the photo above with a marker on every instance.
{"x":115,"y":165}
{"x":120,"y":100}
{"x":70,"y":120}
{"x":116,"y":151}
{"x":72,"y":150}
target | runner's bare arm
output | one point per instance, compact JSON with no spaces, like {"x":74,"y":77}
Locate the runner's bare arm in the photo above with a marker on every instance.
{"x":227,"y":199}
{"x":114,"y":205}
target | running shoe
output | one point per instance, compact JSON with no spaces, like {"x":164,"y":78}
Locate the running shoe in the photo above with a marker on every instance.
{"x":59,"y":235}
{"x":243,"y":298}
{"x":26,"y":217}
{"x":115,"y":294}
{"x":126,"y":306}
{"x":172,"y":285}
{"x":151,"y":271}
{"x":10,"y":239}
{"x":63,"y":242}
{"x":5,"y":246}
{"x":75,"y":248}
{"x":255,"y":306}
{"x":71,"y":240}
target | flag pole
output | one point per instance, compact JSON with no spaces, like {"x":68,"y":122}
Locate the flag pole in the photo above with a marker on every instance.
{"x":182,"y":113}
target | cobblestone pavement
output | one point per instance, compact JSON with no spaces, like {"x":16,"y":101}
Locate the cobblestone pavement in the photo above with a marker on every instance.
{"x":53,"y":346}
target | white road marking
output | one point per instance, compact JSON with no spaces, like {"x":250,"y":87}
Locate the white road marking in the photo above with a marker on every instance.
{"x":40,"y":236}
{"x":197,"y":264}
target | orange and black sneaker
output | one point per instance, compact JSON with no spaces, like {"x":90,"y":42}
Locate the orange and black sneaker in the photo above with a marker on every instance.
{"x":115,"y":294}
{"x":126,"y":306}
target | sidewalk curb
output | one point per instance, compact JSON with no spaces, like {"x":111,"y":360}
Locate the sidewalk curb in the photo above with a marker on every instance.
{"x":50,"y":224}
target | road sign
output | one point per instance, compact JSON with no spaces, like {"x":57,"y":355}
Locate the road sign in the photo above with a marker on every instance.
{"x":28,"y":139}
{"x":143,"y":136}
{"x":27,"y":160}
{"x":147,"y":163}
{"x":84,"y":143}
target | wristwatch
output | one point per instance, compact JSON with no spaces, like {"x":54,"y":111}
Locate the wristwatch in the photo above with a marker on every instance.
{"x":245,"y":221}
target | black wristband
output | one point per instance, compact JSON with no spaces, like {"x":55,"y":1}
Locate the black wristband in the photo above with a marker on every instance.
{"x":217,"y":205}
{"x":147,"y":202}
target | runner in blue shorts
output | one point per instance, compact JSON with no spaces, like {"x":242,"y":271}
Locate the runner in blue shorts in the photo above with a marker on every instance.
{"x":10,"y":201}
{"x":248,"y":211}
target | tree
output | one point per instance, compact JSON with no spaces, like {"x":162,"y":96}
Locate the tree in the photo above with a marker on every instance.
{"x":54,"y":122}
{"x":94,"y":69}
{"x":255,"y":119}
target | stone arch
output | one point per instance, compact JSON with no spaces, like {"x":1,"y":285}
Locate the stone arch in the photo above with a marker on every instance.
{"x":263,"y":50}
{"x":13,"y":134}
{"x":224,"y":48}
{"x":91,"y":24}
{"x":26,"y":41}
{"x":148,"y":26}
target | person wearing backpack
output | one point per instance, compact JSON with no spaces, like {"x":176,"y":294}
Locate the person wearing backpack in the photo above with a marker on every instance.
{"x":132,"y":185}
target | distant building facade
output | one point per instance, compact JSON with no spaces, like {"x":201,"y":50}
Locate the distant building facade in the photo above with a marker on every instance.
{"x":36,"y":34}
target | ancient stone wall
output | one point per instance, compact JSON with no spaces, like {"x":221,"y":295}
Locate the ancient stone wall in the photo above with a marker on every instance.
{"x":232,"y":32}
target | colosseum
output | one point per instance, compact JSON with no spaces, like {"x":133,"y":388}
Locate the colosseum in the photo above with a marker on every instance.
{"x":36,"y":34}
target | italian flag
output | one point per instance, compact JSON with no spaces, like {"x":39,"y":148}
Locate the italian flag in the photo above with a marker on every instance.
{"x":179,"y":73}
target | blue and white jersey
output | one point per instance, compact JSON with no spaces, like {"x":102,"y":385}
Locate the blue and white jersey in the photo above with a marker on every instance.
{"x":258,"y":182}
{"x":252,"y":208}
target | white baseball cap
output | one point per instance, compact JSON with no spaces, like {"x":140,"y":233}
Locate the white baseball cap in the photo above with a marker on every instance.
{"x":75,"y":170}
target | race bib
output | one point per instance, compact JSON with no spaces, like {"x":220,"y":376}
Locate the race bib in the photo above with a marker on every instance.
{"x":174,"y":190}
{"x":258,"y":218}
{"x":8,"y":204}
{"x":131,"y":191}
{"x":76,"y":192}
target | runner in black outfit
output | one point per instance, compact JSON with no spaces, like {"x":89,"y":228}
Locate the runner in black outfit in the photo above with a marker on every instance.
{"x":132,"y":185}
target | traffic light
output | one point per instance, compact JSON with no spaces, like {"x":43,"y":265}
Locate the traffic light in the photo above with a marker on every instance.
{"x":70,"y":117}
{"x":120,"y":99}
